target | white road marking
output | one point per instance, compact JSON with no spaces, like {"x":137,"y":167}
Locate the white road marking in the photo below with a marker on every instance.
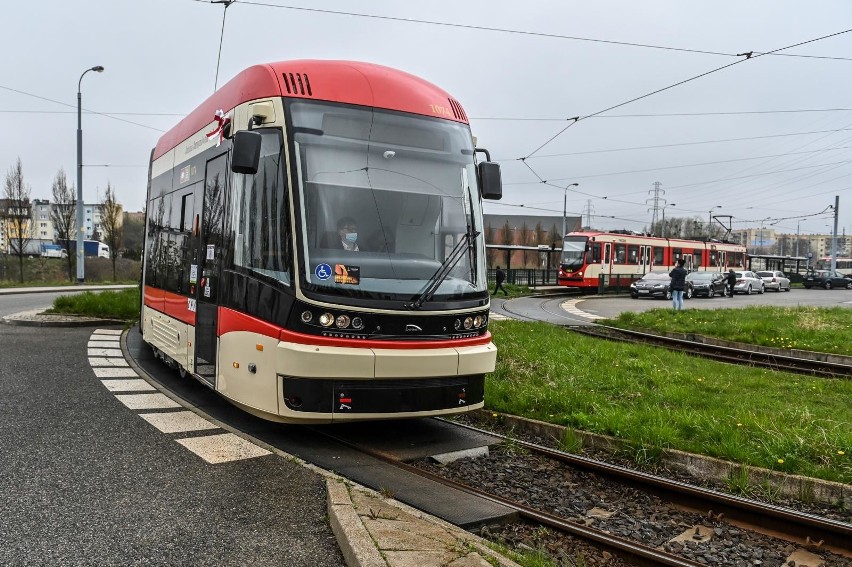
{"x":116,"y":352}
{"x":177,"y":421}
{"x":138,"y":385}
{"x":107,"y":372}
{"x":570,"y":306}
{"x":107,"y":361}
{"x":497,"y":316}
{"x":99,"y":337}
{"x":103,"y":344}
{"x":114,"y":362}
{"x":147,"y":401}
{"x":223,"y":448}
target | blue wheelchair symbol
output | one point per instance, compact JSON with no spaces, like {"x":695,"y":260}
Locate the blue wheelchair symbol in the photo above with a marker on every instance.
{"x":323,"y":271}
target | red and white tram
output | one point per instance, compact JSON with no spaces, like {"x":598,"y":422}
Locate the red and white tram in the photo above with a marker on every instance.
{"x":622,"y":258}
{"x":314,"y":247}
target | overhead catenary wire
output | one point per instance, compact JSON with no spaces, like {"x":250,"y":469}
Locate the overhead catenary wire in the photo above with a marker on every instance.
{"x":518,"y":32}
{"x":749,"y":56}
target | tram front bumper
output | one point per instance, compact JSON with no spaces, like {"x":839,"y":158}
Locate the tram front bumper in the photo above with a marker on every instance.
{"x":349,"y":382}
{"x":314,"y":361}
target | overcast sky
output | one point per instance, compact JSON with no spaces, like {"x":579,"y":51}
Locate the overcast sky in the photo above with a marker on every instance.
{"x":738,"y":138}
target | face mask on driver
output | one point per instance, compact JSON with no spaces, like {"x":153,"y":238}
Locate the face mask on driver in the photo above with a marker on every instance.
{"x":351,"y":236}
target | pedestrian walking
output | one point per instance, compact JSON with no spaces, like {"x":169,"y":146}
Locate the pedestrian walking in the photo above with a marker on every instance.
{"x":500,"y":276}
{"x":678,"y":284}
{"x":732,"y":281}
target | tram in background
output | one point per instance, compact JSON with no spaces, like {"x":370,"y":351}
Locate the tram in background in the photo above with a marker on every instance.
{"x":844,"y":265}
{"x":622,"y":258}
{"x":314,"y":247}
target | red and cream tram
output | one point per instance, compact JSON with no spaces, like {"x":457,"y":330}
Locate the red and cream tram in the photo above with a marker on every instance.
{"x":314,"y":247}
{"x":622,"y":258}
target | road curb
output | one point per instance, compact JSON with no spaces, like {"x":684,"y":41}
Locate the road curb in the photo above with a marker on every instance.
{"x":701,"y":466}
{"x":38,"y":318}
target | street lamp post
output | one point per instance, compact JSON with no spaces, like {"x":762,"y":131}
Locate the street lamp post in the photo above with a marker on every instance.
{"x":663,"y":230}
{"x":81,"y":274}
{"x":565,"y":207}
{"x":710,"y":221}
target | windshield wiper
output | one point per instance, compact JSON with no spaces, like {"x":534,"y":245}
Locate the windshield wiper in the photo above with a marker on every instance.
{"x":464,"y":244}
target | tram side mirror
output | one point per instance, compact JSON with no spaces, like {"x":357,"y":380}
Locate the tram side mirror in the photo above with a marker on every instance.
{"x":490,"y":180}
{"x":245,"y":156}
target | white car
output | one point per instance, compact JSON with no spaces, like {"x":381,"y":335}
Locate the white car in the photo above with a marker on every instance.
{"x":773,"y":279}
{"x":748,"y":283}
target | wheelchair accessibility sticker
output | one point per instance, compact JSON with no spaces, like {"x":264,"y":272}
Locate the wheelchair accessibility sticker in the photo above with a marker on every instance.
{"x":323,"y":271}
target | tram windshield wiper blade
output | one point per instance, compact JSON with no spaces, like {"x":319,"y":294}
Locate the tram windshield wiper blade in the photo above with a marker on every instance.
{"x":463,"y":245}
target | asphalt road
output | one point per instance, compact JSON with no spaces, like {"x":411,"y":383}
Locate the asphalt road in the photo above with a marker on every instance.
{"x":584,"y":310}
{"x":84,"y":480}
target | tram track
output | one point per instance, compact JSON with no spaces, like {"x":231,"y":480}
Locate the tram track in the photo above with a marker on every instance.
{"x":742,"y":356}
{"x":677,"y":506}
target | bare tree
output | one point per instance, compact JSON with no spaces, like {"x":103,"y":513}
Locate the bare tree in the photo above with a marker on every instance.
{"x":62,"y":214}
{"x":525,"y":241}
{"x":17,"y":195}
{"x":111,"y":217}
{"x":554,"y":239}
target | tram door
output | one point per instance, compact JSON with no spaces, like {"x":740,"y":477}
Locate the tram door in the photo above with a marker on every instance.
{"x":605,"y":261}
{"x":723,"y":260}
{"x":645,"y":257}
{"x":210,"y":254}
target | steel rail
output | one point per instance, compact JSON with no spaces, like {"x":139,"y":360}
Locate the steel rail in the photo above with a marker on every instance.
{"x":797,"y":526}
{"x":723,"y":353}
{"x":636,"y":553}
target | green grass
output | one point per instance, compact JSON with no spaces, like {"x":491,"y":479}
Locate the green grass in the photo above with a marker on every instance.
{"x":823,"y":329}
{"x":513,"y":290}
{"x":123,"y":304}
{"x":654,"y":398}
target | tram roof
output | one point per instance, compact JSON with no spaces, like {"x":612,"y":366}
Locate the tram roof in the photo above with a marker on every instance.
{"x":588,"y":233}
{"x":353,"y":82}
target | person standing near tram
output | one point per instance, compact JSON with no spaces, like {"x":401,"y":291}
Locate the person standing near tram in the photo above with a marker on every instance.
{"x":678,"y":284}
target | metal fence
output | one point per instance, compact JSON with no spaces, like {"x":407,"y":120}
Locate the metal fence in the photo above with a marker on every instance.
{"x":526,"y":276}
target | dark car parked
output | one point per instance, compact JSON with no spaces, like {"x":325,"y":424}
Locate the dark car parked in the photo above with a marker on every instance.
{"x":707,"y":283}
{"x":826,"y":279}
{"x":656,"y":284}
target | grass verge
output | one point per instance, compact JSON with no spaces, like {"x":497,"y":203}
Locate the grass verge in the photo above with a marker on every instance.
{"x":823,"y":329}
{"x":654,"y":398}
{"x":123,"y":304}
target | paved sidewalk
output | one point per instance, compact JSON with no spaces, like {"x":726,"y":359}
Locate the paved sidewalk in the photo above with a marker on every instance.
{"x":371,"y":530}
{"x":61,"y":288}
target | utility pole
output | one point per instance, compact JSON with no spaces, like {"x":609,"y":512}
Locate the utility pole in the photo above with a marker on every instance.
{"x":655,"y":207}
{"x":588,"y":214}
{"x":834,"y":234}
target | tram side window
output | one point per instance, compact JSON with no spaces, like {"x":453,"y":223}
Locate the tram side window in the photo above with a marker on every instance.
{"x":696,"y":259}
{"x":260,"y":218}
{"x":658,"y":255}
{"x":157,"y":242}
{"x":175,"y":243}
{"x":633,"y":255}
{"x":596,"y":253}
{"x":620,"y":254}
{"x":714,"y":260}
{"x":676,"y":253}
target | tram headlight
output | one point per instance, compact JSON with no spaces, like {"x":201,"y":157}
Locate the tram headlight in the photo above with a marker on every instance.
{"x":307,"y":316}
{"x":468,"y":321}
{"x":457,"y":324}
{"x":342,"y":321}
{"x":326,"y":320}
{"x":357,"y":323}
{"x":477,"y":321}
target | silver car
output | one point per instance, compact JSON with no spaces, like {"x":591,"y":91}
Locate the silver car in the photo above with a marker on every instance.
{"x":773,"y":279}
{"x":748,"y":283}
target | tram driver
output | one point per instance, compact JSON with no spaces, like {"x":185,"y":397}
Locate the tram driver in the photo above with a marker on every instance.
{"x":347,"y":232}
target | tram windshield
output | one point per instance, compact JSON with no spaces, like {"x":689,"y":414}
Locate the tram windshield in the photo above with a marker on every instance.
{"x":573,"y":248}
{"x":384,"y":199}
